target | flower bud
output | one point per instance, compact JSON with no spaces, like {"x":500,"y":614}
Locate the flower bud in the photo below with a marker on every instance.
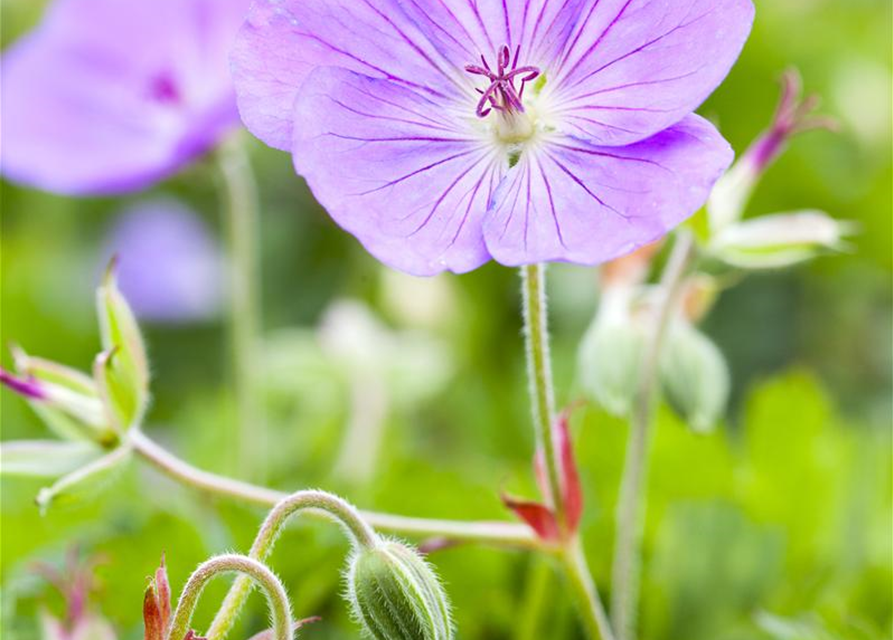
{"x":611,"y":353}
{"x":395,"y":594}
{"x":779,"y":240}
{"x":695,"y":376}
{"x":794,"y":115}
{"x":121,"y":371}
{"x":65,"y":399}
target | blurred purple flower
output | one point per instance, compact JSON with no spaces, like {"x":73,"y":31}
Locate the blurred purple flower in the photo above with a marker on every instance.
{"x":444,"y":133}
{"x":108,"y":96}
{"x":170,"y":266}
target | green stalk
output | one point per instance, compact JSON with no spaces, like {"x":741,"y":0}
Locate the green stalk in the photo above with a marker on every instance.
{"x":361,"y":535}
{"x":242,"y":217}
{"x":536,"y":330}
{"x":277,"y":598}
{"x":631,"y":504}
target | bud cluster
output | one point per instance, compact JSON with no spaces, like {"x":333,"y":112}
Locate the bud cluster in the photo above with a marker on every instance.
{"x":693,"y":372}
{"x":91,"y":415}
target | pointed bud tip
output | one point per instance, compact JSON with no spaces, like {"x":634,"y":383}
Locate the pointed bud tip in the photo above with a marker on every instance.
{"x":109,"y":279}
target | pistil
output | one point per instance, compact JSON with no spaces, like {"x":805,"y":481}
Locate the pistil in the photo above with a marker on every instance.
{"x":502,"y":95}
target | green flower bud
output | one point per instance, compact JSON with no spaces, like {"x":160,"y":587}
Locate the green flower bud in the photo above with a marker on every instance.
{"x":695,"y":377}
{"x":121,"y":371}
{"x":395,"y":594}
{"x":610,"y":355}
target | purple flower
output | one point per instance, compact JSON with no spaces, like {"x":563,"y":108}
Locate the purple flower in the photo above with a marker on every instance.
{"x":444,"y":133}
{"x":170,"y":267}
{"x":108,"y":96}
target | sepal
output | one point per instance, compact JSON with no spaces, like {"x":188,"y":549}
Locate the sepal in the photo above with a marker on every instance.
{"x":45,"y":458}
{"x":87,"y":482}
{"x":122,"y":370}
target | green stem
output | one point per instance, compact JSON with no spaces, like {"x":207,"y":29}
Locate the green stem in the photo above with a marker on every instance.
{"x":500,"y":534}
{"x":631,"y":504}
{"x":584,"y":591}
{"x":361,"y":534}
{"x":539,"y":371}
{"x":277,"y":598}
{"x":541,"y":390}
{"x":243,"y":224}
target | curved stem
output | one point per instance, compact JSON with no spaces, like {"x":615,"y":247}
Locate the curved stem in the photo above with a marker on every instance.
{"x":277,"y":598}
{"x":361,"y":534}
{"x":631,"y":503}
{"x":539,"y":370}
{"x":243,"y":222}
{"x":501,"y":534}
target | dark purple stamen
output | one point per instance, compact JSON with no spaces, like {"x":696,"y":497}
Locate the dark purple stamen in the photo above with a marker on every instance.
{"x":502,"y":95}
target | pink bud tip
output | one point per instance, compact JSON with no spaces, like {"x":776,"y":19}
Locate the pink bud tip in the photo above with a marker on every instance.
{"x":29,"y":388}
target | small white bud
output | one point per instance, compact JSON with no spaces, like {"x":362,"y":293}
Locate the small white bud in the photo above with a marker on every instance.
{"x":611,"y":353}
{"x":779,"y":240}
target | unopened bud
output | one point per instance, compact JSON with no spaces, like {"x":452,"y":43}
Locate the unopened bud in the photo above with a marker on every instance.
{"x":611,"y":353}
{"x":396,"y":595}
{"x":794,"y":115}
{"x":779,"y":240}
{"x":695,"y":376}
{"x":157,"y":605}
{"x":65,"y":399}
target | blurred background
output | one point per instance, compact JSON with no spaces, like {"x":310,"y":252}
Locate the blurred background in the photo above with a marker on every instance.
{"x":777,"y":525}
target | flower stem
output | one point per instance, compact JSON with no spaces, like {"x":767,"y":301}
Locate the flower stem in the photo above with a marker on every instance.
{"x":277,"y":597}
{"x":631,"y":503}
{"x":539,"y":371}
{"x":500,"y":534}
{"x":585,"y":593}
{"x":361,"y":534}
{"x":539,"y":368}
{"x":243,"y":222}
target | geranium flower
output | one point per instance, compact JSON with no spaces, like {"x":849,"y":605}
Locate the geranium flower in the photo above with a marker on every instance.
{"x":170,"y":268}
{"x":444,"y":133}
{"x":108,"y":96}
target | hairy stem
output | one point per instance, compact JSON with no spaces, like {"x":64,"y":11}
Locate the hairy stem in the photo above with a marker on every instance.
{"x":631,"y":503}
{"x":243,"y":222}
{"x":500,"y":534}
{"x":277,"y":598}
{"x":542,"y":395}
{"x":539,"y":370}
{"x":361,"y":534}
